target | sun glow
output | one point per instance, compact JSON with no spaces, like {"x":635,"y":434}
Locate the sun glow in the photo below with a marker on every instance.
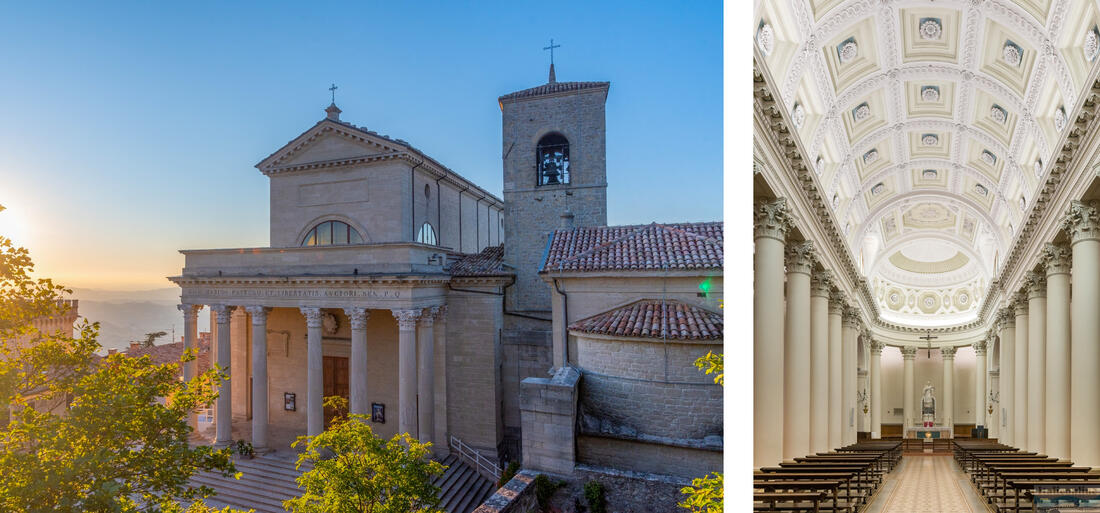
{"x":14,"y":223}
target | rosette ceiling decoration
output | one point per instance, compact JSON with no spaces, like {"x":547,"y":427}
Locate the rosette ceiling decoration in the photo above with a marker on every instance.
{"x":930,"y":125}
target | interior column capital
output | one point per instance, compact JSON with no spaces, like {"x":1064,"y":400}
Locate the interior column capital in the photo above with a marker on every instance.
{"x":1082,"y":221}
{"x":772,"y":218}
{"x":948,"y":352}
{"x":821,"y":283}
{"x":877,"y":347}
{"x":1056,"y":258}
{"x":800,"y":257}
{"x":1036,"y":283}
{"x":908,"y":352}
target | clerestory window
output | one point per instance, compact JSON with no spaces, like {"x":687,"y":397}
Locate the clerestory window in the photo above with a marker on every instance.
{"x":332,"y":233}
{"x":427,"y":235}
{"x":552,"y":159}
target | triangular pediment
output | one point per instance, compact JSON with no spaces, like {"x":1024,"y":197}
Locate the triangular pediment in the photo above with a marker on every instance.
{"x":328,"y":141}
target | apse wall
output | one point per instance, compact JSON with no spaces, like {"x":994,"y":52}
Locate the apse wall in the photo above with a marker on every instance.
{"x":927,"y":369}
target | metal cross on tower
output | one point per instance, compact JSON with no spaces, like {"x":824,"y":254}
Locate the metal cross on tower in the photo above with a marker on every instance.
{"x":929,"y":338}
{"x":333,"y":90}
{"x":551,"y":48}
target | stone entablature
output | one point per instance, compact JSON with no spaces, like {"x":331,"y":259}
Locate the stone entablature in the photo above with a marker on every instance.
{"x":319,"y":292}
{"x":391,"y":257}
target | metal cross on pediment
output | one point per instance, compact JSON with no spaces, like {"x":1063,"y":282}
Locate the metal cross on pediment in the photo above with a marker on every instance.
{"x":551,"y":48}
{"x":929,"y":338}
{"x":333,"y":90}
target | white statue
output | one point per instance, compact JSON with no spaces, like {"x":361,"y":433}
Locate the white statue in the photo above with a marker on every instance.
{"x":928,"y":404}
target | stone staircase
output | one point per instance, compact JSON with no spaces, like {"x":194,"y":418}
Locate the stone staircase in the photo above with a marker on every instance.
{"x":266,"y":482}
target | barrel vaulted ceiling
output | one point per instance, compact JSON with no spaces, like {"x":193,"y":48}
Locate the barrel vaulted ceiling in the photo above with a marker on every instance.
{"x":930,"y":125}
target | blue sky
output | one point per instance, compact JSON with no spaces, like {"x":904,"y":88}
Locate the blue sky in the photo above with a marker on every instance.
{"x":130,"y":130}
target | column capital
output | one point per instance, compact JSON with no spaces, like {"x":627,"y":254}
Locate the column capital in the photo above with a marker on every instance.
{"x":851,"y":317}
{"x":222,"y":312}
{"x":439,"y":312}
{"x":948,"y":353}
{"x":427,"y":318}
{"x":772,"y":218}
{"x":258,"y":313}
{"x":821,"y":283}
{"x":1036,"y":282}
{"x":1008,"y":317}
{"x":837,"y":301}
{"x":979,"y":347}
{"x":908,"y":352}
{"x":1082,"y":221}
{"x":1019,"y":302}
{"x":1056,"y":258}
{"x":190,"y":311}
{"x":406,"y":318}
{"x":877,"y":347}
{"x":358,"y":317}
{"x":800,"y":257}
{"x":313,"y":316}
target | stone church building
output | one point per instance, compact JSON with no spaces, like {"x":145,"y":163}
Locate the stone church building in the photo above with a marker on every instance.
{"x":524,"y":327}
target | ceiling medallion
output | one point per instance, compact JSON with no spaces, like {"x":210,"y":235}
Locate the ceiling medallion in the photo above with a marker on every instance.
{"x":1092,"y":43}
{"x":981,"y":189}
{"x":988,"y":157}
{"x":1038,"y":167}
{"x":765,"y":38}
{"x":930,"y":28}
{"x":847,"y":50}
{"x":929,"y":174}
{"x":861,"y":112}
{"x":930,"y":93}
{"x":998,"y":113}
{"x":877,"y":189}
{"x":1060,"y":118}
{"x":929,"y":139}
{"x":1012,"y":53}
{"x":870,"y":156}
{"x":799,"y":114}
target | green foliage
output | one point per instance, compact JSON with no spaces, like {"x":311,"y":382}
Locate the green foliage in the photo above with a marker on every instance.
{"x":544,"y":489}
{"x":151,"y":338}
{"x":508,"y":474}
{"x":594,"y":495}
{"x":704,"y":495}
{"x":712,"y":364}
{"x":88,"y":433}
{"x":199,"y":507}
{"x":244,"y":449}
{"x":354,"y":470}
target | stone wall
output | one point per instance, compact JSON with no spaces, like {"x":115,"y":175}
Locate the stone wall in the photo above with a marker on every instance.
{"x":516,"y":496}
{"x":653,"y":458}
{"x":526,"y":349}
{"x":548,"y":407}
{"x":474,"y":322}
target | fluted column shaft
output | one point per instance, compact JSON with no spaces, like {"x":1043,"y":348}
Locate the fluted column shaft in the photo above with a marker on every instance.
{"x":948,"y":415}
{"x":876,"y":389}
{"x":223,"y":428}
{"x":1008,"y":377}
{"x":820,"y":286}
{"x":772,"y":221}
{"x":358,"y":404}
{"x":190,"y":333}
{"x":980,"y":374}
{"x":259,"y":376}
{"x":1083,"y":224}
{"x":1056,"y":259}
{"x":836,"y":408}
{"x":908,"y":385}
{"x":1037,"y":358}
{"x":426,"y":376}
{"x":1020,"y":424}
{"x":406,"y":369}
{"x":848,"y":377}
{"x":796,"y":352}
{"x":315,"y":381}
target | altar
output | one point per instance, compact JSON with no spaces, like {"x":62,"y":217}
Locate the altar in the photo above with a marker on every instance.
{"x":929,"y":433}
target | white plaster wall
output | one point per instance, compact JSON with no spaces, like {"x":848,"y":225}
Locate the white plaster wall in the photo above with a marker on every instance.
{"x":925,"y":369}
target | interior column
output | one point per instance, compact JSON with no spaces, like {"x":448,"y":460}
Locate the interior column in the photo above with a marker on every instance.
{"x":796,"y":352}
{"x":1056,"y":259}
{"x":772,"y":221}
{"x":1019,"y":425}
{"x":948,"y":416}
{"x":848,"y":377}
{"x":223,"y":430}
{"x":190,"y":332}
{"x":406,"y":371}
{"x":358,"y":403}
{"x":837,"y":304}
{"x":1008,"y":376}
{"x":426,"y":376}
{"x":315,"y":412}
{"x":259,"y":377}
{"x":1083,"y":224}
{"x":821,"y":283}
{"x":1036,"y":357}
{"x":876,"y":389}
{"x":980,"y":374}
{"x":908,"y":354}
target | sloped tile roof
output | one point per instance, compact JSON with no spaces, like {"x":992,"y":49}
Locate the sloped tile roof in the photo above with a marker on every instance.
{"x":651,"y":247}
{"x":553,"y":87}
{"x":655,"y":318}
{"x":172,"y":352}
{"x":490,"y":262}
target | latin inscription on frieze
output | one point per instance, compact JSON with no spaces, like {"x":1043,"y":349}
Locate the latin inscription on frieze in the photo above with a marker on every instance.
{"x":295,"y":293}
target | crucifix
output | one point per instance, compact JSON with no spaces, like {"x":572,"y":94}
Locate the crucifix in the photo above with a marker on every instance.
{"x":333,"y":90}
{"x":551,"y":48}
{"x":929,"y":338}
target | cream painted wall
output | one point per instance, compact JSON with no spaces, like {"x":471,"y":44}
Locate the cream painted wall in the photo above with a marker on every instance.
{"x":925,"y":369}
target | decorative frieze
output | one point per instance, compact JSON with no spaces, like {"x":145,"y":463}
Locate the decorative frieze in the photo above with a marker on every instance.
{"x":800,"y":257}
{"x":1056,"y":258}
{"x":772,"y":218}
{"x":1082,"y":221}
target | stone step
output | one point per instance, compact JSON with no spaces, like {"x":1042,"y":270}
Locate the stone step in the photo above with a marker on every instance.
{"x":275,"y":488}
{"x":240,"y":496}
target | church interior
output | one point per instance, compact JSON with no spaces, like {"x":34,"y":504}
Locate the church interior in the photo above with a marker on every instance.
{"x":926,"y":227}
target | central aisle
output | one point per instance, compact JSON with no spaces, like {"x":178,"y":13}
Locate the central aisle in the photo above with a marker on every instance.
{"x":927,"y":484}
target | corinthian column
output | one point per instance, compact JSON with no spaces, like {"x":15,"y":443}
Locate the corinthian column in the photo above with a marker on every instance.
{"x":979,"y":382}
{"x":1008,"y":376}
{"x":796,"y":352}
{"x":1083,"y":224}
{"x":357,"y":395}
{"x":876,"y":389}
{"x":948,"y":417}
{"x":1019,"y":425}
{"x":406,"y":371}
{"x":190,"y":331}
{"x":315,"y":389}
{"x":259,"y":376}
{"x":1037,"y":358}
{"x":836,"y":408}
{"x":820,"y":286}
{"x":907,"y":355}
{"x":848,"y":376}
{"x":772,"y":221}
{"x":1056,"y":259}
{"x":223,"y":429}
{"x":426,"y":376}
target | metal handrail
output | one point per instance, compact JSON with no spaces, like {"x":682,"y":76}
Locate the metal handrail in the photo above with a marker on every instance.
{"x":483,"y":465}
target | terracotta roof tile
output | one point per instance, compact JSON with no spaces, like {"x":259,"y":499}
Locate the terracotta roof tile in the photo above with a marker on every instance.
{"x":553,"y":87}
{"x":655,"y":318}
{"x":651,"y":247}
{"x":490,"y":262}
{"x":172,"y":352}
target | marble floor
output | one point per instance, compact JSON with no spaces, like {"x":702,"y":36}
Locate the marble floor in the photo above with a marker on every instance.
{"x":926,"y":484}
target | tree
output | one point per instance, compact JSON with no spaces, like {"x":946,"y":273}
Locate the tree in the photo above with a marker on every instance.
{"x":705,"y":495}
{"x":111,"y":446}
{"x":356,"y":471}
{"x":151,"y":338}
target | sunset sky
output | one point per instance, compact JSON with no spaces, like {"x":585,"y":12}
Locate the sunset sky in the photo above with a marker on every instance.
{"x":130,"y":131}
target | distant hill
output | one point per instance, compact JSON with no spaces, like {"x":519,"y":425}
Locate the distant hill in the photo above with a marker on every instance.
{"x":128,"y":315}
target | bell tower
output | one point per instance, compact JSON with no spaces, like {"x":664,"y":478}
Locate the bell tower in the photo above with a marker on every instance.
{"x":555,"y":175}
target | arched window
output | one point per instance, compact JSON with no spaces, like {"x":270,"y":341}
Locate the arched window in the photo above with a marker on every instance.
{"x":552,"y":159}
{"x":332,"y":233}
{"x":427,"y":235}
